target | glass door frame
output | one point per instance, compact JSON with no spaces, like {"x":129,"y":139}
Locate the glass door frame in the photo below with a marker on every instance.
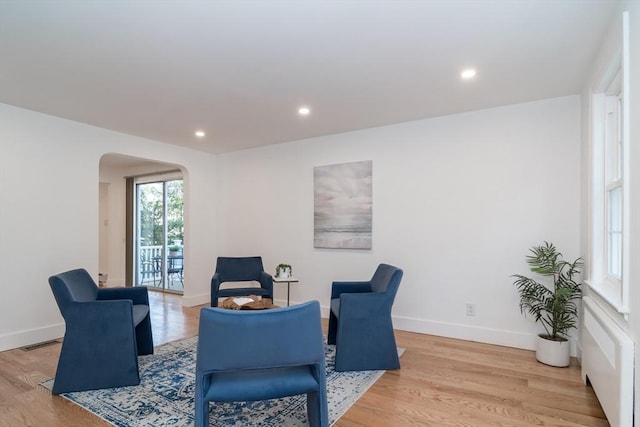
{"x":139,"y":270}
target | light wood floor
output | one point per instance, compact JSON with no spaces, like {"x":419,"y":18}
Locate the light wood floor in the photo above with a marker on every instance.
{"x":442,"y":382}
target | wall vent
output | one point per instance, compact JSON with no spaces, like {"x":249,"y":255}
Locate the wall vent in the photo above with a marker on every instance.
{"x":40,"y":345}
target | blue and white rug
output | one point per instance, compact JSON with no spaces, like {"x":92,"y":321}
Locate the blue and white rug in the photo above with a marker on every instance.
{"x":165,"y":395}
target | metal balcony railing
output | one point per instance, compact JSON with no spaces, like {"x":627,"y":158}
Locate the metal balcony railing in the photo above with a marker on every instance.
{"x":149,"y":271}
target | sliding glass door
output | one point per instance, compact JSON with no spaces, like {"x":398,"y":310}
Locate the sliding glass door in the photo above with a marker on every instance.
{"x":159,"y":235}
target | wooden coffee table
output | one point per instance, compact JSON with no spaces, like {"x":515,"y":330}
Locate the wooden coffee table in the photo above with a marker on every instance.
{"x":257,"y":303}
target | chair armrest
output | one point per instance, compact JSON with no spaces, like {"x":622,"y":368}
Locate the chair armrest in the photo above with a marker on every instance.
{"x":215,"y":288}
{"x":362,"y":305}
{"x":100,"y":328}
{"x":109,"y":315}
{"x":138,"y":295}
{"x":338,"y":288}
{"x":266,"y":282}
{"x":215,"y":282}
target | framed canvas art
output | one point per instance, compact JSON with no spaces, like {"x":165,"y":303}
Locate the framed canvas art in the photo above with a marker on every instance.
{"x":343,"y":205}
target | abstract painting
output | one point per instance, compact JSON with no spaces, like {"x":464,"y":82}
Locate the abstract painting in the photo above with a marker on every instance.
{"x":343,"y":205}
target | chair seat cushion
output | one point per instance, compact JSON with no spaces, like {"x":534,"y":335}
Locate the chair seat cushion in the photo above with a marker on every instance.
{"x":335,"y":307}
{"x":260,"y":384}
{"x":140,"y":311}
{"x":236,"y":292}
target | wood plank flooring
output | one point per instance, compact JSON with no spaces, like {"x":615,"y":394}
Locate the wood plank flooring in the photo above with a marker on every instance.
{"x":442,"y":382}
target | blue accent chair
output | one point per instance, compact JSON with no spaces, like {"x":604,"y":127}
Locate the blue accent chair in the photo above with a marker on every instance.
{"x":106,"y":330}
{"x":258,"y":355}
{"x":240,"y":269}
{"x":360,"y":322}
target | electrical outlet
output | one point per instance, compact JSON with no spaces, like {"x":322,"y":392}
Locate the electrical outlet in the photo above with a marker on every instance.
{"x":471,"y":309}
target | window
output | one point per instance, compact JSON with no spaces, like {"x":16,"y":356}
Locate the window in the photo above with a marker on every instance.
{"x":613,"y":153}
{"x":609,"y":175}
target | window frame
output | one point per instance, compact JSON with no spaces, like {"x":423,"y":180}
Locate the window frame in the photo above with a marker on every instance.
{"x":613,"y":158}
{"x":615,"y":290}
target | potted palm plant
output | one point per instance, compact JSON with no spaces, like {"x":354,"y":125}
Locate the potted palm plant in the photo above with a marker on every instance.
{"x":552,"y":304}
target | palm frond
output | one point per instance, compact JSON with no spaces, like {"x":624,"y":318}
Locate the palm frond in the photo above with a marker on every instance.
{"x":544,"y":259}
{"x":554,"y":308}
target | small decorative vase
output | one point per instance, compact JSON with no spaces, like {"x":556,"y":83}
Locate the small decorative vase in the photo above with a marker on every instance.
{"x":283,"y":274}
{"x":553,"y":353}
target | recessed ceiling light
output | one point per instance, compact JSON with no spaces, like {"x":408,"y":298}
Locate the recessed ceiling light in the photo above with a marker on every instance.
{"x":199,"y":134}
{"x":304,"y":111}
{"x":469,"y":73}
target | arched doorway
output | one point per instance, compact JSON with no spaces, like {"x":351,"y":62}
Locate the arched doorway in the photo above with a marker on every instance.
{"x":141,"y":223}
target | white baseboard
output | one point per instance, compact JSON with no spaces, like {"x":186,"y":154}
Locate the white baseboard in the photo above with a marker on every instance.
{"x":463,"y":332}
{"x":422,"y":326}
{"x":466,"y":332}
{"x":31,"y":336}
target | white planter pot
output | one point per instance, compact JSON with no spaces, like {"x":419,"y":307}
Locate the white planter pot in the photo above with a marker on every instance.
{"x":553,"y":353}
{"x":283,"y":274}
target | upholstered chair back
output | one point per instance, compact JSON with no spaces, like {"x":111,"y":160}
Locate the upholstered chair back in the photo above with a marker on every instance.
{"x":386,"y":279}
{"x":289,"y":336}
{"x":73,"y":286}
{"x":239,"y":269}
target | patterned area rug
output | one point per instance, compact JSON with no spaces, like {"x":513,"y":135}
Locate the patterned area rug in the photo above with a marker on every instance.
{"x":165,"y":395}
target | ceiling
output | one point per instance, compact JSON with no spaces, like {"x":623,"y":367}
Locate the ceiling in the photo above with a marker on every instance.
{"x":239,"y":70}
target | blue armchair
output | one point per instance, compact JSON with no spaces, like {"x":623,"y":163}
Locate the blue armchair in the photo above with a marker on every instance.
{"x":259,"y":355}
{"x":106,"y":330}
{"x":360,"y":322}
{"x":240,"y":269}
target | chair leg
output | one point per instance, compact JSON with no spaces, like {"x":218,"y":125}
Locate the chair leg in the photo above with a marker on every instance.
{"x":333,"y":328}
{"x":317,"y":412}
{"x":90,"y":366}
{"x":362,"y":352}
{"x":202,"y":413}
{"x":144,"y":337}
{"x":214,"y":299}
{"x":202,"y":406}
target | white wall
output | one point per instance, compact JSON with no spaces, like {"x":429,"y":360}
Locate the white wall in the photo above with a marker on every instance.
{"x":112,"y":252}
{"x":49,"y":175}
{"x":103,"y":227}
{"x":458,"y":200}
{"x":610,"y":47}
{"x":457,"y":203}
